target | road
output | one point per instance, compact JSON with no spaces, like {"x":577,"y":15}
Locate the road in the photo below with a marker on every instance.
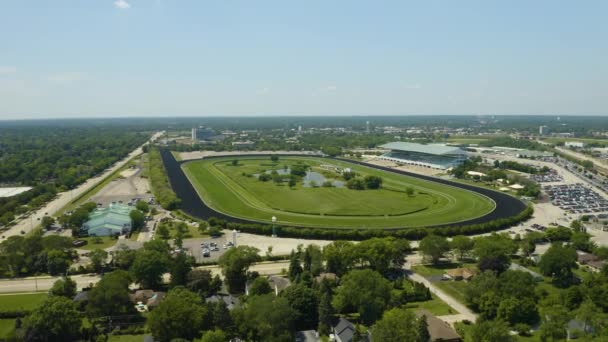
{"x":32,"y":284}
{"x":64,"y":198}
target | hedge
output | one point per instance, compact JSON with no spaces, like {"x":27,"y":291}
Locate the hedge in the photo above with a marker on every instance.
{"x":364,"y":234}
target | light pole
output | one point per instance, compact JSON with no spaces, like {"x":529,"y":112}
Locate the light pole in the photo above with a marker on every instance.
{"x":274,"y":226}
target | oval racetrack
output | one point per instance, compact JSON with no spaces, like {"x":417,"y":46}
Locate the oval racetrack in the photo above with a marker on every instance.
{"x":506,"y":206}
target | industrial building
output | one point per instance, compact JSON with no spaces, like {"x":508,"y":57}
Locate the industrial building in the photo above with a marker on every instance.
{"x":435,"y":156}
{"x":111,"y":221}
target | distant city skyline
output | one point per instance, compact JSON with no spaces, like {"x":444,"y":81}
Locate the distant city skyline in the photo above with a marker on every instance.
{"x":127,"y":58}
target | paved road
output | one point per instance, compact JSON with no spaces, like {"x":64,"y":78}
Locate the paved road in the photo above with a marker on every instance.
{"x":62,"y":199}
{"x":465,"y":313}
{"x":32,"y":284}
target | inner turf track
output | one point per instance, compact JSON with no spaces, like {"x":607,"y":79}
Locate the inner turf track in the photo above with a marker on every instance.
{"x":506,"y":206}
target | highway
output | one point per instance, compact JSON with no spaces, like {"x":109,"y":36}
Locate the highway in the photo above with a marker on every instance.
{"x":64,"y":198}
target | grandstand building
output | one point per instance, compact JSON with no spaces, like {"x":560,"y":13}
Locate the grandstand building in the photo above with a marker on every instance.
{"x":435,"y":156}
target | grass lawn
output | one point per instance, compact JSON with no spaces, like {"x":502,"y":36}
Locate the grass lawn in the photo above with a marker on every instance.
{"x":436,"y":306}
{"x":106,"y":242}
{"x":6,"y":326}
{"x":235,"y":190}
{"x":453,"y":288}
{"x":23,"y":301}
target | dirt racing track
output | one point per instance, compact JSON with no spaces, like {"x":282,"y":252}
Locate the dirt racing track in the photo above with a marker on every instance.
{"x":506,"y":206}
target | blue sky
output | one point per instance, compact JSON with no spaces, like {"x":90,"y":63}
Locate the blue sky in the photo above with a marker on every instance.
{"x":199,"y":58}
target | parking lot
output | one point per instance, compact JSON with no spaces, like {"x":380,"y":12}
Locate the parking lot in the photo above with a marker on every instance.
{"x":550,"y":177}
{"x":576,"y":198}
{"x":194,"y":248}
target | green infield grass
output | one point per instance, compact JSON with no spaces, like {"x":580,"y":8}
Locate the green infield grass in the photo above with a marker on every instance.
{"x":235,"y":190}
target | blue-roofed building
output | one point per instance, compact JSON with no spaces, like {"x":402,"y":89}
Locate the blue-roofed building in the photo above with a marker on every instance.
{"x":110,"y":221}
{"x":435,"y":156}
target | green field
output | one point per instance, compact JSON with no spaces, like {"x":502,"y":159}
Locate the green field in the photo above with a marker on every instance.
{"x":236,"y":191}
{"x":22,"y":301}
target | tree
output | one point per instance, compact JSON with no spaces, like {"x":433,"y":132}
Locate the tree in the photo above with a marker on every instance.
{"x":355,"y":184}
{"x":221,"y":316}
{"x":295,"y":269}
{"x":142,"y":206}
{"x":372,"y":182}
{"x":518,"y":310}
{"x":137,"y":219}
{"x":554,"y":322}
{"x":180,"y":315}
{"x":65,"y":287}
{"x":558,"y":262}
{"x":124,"y":257}
{"x":482,"y":283}
{"x":163,"y":231}
{"x":326,"y":312}
{"x":214,"y":336}
{"x":365,"y":292}
{"x":267,"y":318}
{"x":494,"y":252}
{"x":396,"y":325}
{"x":149,"y":266}
{"x":382,"y":253}
{"x":274,"y":158}
{"x":57,"y":262}
{"x":47,"y":222}
{"x":56,"y":319}
{"x":305,"y":305}
{"x":203,"y":283}
{"x":409,"y":191}
{"x":259,"y":286}
{"x":235,"y":263}
{"x":98,"y":259}
{"x":423,"y":330}
{"x":489,"y":331}
{"x":462,"y":245}
{"x":434,"y":246}
{"x":313,"y":260}
{"x":339,"y":256}
{"x":110,"y":296}
{"x":180,"y":268}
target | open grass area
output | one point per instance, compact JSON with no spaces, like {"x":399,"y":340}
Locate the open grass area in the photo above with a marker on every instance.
{"x":126,"y":338}
{"x":436,"y":306}
{"x":98,"y":242}
{"x":6,"y":327}
{"x":235,"y":190}
{"x":22,"y":301}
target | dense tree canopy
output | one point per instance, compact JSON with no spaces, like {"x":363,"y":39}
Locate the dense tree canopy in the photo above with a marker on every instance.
{"x":235,"y":263}
{"x":365,"y":292}
{"x":180,"y":315}
{"x":56,"y":319}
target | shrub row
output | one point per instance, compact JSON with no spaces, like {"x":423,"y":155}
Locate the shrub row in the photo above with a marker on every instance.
{"x":13,"y":313}
{"x":163,"y":192}
{"x":364,"y":234}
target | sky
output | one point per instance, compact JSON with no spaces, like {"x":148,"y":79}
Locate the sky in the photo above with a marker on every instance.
{"x":120,"y":58}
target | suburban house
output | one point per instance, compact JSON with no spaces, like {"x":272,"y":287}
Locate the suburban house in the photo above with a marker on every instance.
{"x":278,"y":283}
{"x":110,"y":221}
{"x":343,"y":331}
{"x":331,"y":277}
{"x":146,"y":300}
{"x":590,"y":260}
{"x":230,"y":301}
{"x":438,"y":329}
{"x":460,"y":274}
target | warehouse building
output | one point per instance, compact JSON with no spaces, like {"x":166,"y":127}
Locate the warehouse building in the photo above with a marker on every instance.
{"x":111,"y":221}
{"x":435,"y":156}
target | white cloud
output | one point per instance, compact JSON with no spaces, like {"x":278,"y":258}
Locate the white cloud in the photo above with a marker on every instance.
{"x":122,"y":4}
{"x":66,"y":77}
{"x":7,"y":70}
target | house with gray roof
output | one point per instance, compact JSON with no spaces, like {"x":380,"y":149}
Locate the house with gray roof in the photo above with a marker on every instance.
{"x":110,"y":221}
